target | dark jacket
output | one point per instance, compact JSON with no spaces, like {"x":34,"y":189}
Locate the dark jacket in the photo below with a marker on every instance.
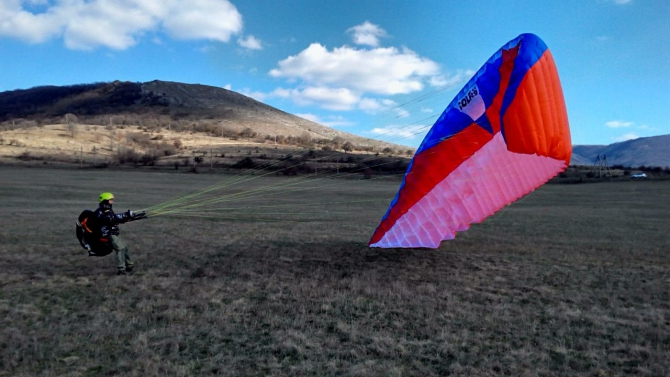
{"x":108,"y":221}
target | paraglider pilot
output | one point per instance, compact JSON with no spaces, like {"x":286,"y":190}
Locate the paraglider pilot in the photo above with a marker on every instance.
{"x":108,"y":223}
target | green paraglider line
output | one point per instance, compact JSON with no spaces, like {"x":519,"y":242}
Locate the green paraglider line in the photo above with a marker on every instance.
{"x":239,"y":178}
{"x":251,"y":193}
{"x":246,"y":195}
{"x":188,"y":202}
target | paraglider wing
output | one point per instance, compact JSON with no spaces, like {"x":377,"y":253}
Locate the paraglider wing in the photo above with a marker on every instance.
{"x":505,"y":134}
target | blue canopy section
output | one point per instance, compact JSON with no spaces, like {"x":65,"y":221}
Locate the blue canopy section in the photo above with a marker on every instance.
{"x":487,"y":80}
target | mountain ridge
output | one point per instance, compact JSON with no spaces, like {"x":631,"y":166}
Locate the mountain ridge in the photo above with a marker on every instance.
{"x":165,"y":103}
{"x":644,"y":151}
{"x":203,"y":108}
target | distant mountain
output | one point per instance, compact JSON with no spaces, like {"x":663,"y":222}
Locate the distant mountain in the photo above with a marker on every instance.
{"x":645,"y":151}
{"x":164,"y":104}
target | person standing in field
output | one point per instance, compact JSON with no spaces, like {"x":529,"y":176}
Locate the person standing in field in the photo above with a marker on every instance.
{"x":108,"y":223}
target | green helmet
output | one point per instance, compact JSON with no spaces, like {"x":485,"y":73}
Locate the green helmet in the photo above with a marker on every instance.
{"x":105,"y":196}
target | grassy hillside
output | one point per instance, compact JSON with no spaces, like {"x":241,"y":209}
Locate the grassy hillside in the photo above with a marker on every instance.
{"x":158,"y":105}
{"x":571,"y":280}
{"x":194,"y":149}
{"x":644,"y":151}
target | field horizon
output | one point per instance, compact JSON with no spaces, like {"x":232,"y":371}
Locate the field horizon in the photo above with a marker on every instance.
{"x":569,"y":280}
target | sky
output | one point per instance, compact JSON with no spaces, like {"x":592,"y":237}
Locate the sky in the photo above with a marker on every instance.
{"x":379,"y":69}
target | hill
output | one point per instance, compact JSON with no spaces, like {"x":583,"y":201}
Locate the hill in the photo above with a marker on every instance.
{"x":173,"y":124}
{"x":645,"y":151}
{"x":170,"y":124}
{"x":168,"y":105}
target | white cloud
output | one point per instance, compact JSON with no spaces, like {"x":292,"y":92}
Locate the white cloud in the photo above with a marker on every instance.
{"x":250,"y":42}
{"x":405,"y":132}
{"x":207,"y":49}
{"x":367,"y":34}
{"x":348,"y":78}
{"x":401,"y":113}
{"x":330,"y":121}
{"x":456,"y":78}
{"x":628,"y":136}
{"x":618,"y":124}
{"x":258,"y":96}
{"x":374,"y":106}
{"x":328,"y":98}
{"x":118,"y":24}
{"x":215,"y":20}
{"x":426,"y":109}
{"x":384,"y":71}
{"x":33,"y":28}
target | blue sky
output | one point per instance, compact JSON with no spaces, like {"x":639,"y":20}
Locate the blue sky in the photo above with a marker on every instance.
{"x":355,"y":65}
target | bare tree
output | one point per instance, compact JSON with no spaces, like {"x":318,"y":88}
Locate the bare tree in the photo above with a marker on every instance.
{"x":71,"y":121}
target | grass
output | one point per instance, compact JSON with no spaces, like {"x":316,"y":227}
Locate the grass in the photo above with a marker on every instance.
{"x":571,"y":280}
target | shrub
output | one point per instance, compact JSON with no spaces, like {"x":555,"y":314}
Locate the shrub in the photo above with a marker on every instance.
{"x":248,"y":133}
{"x":245,"y":163}
{"x":166,"y":149}
{"x":149,"y":158}
{"x":288,"y":169}
{"x":138,"y":138}
{"x":26,"y":156}
{"x":229,"y":133}
{"x":124,"y":154}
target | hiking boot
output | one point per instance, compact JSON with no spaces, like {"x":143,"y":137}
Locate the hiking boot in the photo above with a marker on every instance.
{"x":122,"y":272}
{"x":129,"y":269}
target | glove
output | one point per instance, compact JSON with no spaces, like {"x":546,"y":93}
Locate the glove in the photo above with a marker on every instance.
{"x":131,"y":216}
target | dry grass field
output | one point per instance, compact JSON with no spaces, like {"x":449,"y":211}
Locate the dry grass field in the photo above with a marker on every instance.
{"x":573,"y":280}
